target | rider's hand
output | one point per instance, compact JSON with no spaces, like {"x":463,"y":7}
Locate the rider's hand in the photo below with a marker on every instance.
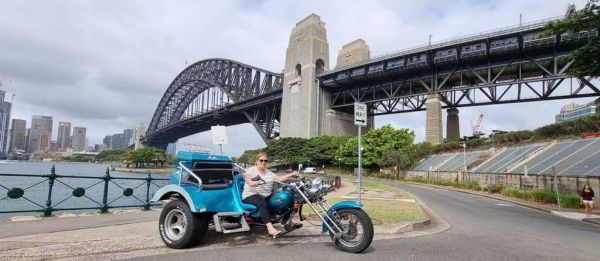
{"x":254,"y":183}
{"x":295,"y":175}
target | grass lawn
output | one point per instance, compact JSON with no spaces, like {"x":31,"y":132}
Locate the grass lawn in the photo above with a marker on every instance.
{"x":381,"y":211}
{"x":370,"y":184}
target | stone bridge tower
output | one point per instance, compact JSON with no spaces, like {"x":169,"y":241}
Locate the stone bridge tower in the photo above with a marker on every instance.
{"x":305,"y":109}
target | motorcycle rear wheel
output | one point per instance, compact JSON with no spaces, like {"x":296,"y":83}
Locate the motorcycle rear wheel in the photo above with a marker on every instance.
{"x":357,"y":229}
{"x":179,"y":227}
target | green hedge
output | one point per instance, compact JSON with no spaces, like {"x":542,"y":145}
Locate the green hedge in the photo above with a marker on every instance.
{"x":567,"y":199}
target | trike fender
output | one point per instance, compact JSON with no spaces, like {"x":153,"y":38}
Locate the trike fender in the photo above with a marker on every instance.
{"x":165,"y":192}
{"x":340,"y":205}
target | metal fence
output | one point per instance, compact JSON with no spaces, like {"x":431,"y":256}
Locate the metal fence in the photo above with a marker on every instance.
{"x":111,"y":192}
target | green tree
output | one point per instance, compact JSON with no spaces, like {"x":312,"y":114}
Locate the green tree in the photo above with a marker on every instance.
{"x":587,"y":57}
{"x":289,"y":150}
{"x":348,"y":152}
{"x":111,"y":155}
{"x":321,"y":149}
{"x":143,"y":156}
{"x":375,"y":143}
{"x":400,"y":160}
{"x":249,"y":156}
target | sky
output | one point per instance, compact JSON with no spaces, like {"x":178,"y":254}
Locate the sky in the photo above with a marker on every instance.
{"x":105,"y":65}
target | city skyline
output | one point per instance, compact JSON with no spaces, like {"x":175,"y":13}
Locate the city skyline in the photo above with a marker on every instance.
{"x":112,"y":94}
{"x":41,"y":136}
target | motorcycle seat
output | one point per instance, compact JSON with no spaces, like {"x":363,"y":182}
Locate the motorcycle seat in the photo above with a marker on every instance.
{"x":240,"y":182}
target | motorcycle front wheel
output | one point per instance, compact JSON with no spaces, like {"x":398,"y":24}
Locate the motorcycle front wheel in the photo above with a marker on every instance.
{"x":357,"y":230}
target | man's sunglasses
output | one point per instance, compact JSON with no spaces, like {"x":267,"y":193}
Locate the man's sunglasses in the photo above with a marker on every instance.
{"x":263,"y":160}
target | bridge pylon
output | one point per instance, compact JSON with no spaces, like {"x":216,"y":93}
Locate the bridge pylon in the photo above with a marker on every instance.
{"x":306,"y":108}
{"x":433,"y":122}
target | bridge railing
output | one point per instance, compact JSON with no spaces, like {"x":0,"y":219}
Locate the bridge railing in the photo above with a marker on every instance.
{"x":452,"y":41}
{"x":30,"y":193}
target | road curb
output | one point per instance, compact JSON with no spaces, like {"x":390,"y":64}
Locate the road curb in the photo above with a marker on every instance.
{"x":431,"y":219}
{"x":549,"y":211}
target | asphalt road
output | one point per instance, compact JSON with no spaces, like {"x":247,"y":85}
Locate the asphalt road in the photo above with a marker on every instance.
{"x":481,"y":229}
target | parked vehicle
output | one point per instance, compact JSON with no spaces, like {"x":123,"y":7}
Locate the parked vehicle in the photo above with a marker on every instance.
{"x":206,"y":190}
{"x":310,"y":170}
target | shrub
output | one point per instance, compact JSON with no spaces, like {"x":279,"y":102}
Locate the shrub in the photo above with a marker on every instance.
{"x":524,"y":194}
{"x":494,"y":188}
{"x":473,"y":185}
{"x":509,"y":192}
{"x":543,"y":196}
{"x":569,"y":200}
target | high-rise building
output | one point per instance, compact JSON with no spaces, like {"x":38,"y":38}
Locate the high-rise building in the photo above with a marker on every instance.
{"x":107,"y":141}
{"x":99,"y":147}
{"x":79,"y":139}
{"x":117,"y":141}
{"x":64,"y":136}
{"x":44,"y":141}
{"x":140,"y":131}
{"x":128,"y":137}
{"x":4,"y":120}
{"x":18,"y":135}
{"x":40,"y":125}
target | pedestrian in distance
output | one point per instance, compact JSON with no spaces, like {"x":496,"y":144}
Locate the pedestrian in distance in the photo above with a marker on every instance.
{"x":587,"y":197}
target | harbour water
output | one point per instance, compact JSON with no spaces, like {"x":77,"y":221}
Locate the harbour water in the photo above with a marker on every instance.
{"x":63,"y":196}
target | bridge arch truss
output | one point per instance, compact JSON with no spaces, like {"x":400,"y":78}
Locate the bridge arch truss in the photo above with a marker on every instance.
{"x":217,"y":91}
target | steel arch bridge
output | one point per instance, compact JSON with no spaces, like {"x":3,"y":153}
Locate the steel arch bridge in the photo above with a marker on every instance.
{"x":217,"y":91}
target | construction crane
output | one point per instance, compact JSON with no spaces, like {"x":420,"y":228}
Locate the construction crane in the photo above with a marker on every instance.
{"x":477,"y":126}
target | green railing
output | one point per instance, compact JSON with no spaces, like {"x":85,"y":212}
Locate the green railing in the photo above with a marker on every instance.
{"x":47,"y":207}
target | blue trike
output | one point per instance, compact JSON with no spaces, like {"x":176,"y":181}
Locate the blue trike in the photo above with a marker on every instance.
{"x":205,"y":189}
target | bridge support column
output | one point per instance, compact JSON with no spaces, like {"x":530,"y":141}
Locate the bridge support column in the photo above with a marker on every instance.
{"x":306,"y":108}
{"x":452,"y":125}
{"x":341,"y":123}
{"x":307,"y":54}
{"x":433,"y":122}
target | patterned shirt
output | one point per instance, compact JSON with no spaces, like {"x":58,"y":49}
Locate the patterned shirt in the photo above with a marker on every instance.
{"x":264,"y":189}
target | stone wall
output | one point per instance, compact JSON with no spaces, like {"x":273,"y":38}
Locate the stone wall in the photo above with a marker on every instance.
{"x":569,"y":183}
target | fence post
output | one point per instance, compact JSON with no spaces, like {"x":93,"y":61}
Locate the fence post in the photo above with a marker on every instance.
{"x":520,"y":181}
{"x":51,"y":177}
{"x":148,"y":180}
{"x":106,"y":178}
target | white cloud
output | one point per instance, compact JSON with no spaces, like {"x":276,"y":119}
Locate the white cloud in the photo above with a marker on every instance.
{"x":106,"y":64}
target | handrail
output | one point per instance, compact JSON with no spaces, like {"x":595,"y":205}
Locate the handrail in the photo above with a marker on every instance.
{"x":191,"y":173}
{"x":30,"y":191}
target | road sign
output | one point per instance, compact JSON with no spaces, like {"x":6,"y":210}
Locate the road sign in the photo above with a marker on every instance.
{"x":219,"y":135}
{"x":360,"y":114}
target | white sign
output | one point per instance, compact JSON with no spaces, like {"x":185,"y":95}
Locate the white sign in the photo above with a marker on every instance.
{"x":360,"y":114}
{"x":219,"y":135}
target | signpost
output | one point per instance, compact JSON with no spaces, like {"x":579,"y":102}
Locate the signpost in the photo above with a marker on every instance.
{"x":219,"y":136}
{"x":360,"y":120}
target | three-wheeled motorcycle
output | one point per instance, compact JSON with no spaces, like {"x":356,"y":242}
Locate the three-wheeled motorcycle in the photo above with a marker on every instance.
{"x":206,"y":189}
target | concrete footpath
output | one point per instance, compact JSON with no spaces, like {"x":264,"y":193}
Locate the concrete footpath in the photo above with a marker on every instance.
{"x":128,"y":234}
